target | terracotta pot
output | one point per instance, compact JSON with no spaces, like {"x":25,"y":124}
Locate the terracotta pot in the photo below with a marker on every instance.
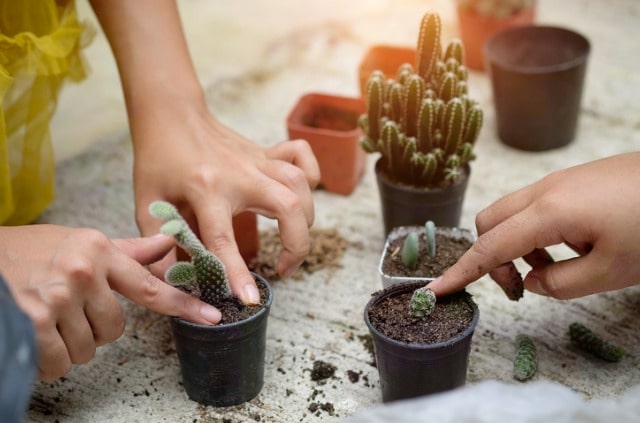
{"x":409,"y":370}
{"x":223,"y":365}
{"x":401,"y":232}
{"x":245,"y":229}
{"x":404,"y":205}
{"x":329,"y":123}
{"x":385,"y":58}
{"x":537,"y":77}
{"x":476,"y":29}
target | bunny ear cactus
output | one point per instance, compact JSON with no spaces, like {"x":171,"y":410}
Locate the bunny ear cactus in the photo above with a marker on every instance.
{"x":437,"y":122}
{"x":205,"y":271}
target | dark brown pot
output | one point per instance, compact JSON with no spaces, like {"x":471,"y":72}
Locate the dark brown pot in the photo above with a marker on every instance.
{"x":329,"y":124}
{"x":223,"y":365}
{"x":404,"y":205}
{"x":412,"y":370}
{"x":537,"y":76}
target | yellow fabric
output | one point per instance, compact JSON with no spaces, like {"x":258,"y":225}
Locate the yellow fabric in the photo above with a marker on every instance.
{"x":40,"y":43}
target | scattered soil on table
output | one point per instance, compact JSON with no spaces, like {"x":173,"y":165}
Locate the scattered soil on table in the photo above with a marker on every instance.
{"x":322,"y":370}
{"x":327,"y":249}
{"x":448,"y":250}
{"x":451,"y":316}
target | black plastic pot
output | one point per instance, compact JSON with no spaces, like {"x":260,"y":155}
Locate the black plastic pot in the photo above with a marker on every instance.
{"x":412,"y":370}
{"x":404,"y":205}
{"x":537,"y":75}
{"x":223,"y":365}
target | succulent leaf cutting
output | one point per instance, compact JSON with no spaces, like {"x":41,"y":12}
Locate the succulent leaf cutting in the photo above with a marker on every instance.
{"x":205,"y":272}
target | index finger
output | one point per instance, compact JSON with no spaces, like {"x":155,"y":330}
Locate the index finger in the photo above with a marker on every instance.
{"x":495,"y":249}
{"x":131,"y":279}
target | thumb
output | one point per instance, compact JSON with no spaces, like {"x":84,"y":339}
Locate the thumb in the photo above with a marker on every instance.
{"x":146,"y":250}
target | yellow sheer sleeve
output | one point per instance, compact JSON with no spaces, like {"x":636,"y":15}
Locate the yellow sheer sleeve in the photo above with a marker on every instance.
{"x":40,"y":43}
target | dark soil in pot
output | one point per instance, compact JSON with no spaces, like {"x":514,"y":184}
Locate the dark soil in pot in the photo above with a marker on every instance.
{"x":448,"y":251}
{"x":451,"y":316}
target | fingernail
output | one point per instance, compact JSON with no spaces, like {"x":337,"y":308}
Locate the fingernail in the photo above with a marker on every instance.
{"x":251,"y":294}
{"x":210,"y":314}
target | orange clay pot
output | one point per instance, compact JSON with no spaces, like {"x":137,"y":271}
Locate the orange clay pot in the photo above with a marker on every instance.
{"x":476,"y":29}
{"x":385,"y":58}
{"x":245,"y":229}
{"x":329,"y":123}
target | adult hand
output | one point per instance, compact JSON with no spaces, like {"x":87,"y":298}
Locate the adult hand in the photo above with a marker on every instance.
{"x":216,"y":174}
{"x":184,"y":156}
{"x":64,"y":279}
{"x":592,"y":208}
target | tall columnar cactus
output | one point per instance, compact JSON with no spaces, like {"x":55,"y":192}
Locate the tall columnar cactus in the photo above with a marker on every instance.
{"x":423,"y":122}
{"x":205,"y":271}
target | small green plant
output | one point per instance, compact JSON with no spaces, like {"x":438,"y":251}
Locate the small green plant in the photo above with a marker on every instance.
{"x":587,"y":340}
{"x":423,"y":301}
{"x":525,"y":363}
{"x":423,"y":122}
{"x":205,"y":272}
{"x":498,"y":9}
{"x":410,"y":253}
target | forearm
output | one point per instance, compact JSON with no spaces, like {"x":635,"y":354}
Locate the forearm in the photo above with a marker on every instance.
{"x":150,"y":49}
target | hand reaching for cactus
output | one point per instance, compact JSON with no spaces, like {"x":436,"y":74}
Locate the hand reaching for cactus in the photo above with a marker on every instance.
{"x":592,"y":208}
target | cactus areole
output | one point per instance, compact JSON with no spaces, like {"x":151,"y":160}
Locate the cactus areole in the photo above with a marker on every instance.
{"x":423,"y":122}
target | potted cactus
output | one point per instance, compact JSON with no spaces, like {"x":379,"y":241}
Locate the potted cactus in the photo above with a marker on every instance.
{"x":480,"y":19}
{"x":221,"y":365}
{"x":421,"y":346}
{"x":410,"y":253}
{"x":424,"y":126}
{"x":329,"y":123}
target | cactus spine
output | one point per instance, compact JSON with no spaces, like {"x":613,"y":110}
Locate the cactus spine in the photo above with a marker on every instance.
{"x":423,"y":123}
{"x":205,"y":271}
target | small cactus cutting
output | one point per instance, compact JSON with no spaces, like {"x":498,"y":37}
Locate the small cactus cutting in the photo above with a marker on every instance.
{"x":205,"y":271}
{"x":587,"y":340}
{"x":525,"y":363}
{"x":423,"y":301}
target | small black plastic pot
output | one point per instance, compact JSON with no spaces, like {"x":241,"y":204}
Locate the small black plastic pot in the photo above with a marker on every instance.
{"x":404,"y":205}
{"x":537,"y":77}
{"x":223,"y":365}
{"x":413,"y":370}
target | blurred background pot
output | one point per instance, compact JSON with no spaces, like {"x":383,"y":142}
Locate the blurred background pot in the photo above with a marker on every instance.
{"x":385,"y":58}
{"x":537,"y":77}
{"x":329,"y":123}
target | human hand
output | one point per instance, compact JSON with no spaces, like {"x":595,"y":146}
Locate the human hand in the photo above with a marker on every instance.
{"x":63,"y":278}
{"x":592,"y":208}
{"x":215,"y":174}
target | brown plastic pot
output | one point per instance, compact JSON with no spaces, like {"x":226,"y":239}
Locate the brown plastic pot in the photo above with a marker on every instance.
{"x":223,"y":365}
{"x":537,"y":77}
{"x":409,"y":370}
{"x":476,"y":29}
{"x":385,"y":58}
{"x":404,"y":205}
{"x":329,"y":123}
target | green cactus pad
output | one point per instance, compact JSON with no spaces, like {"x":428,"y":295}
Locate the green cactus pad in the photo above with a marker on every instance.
{"x":430,"y":237}
{"x":423,"y":301}
{"x":525,"y":363}
{"x":410,"y":249}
